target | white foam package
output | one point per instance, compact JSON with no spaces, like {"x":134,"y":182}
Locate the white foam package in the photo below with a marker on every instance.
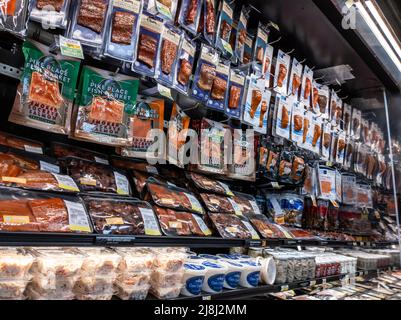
{"x":233,"y":275}
{"x":251,"y":274}
{"x":214,"y":278}
{"x":193,"y":279}
{"x":268,"y":270}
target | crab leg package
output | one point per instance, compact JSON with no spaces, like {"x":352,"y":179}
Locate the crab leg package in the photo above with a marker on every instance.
{"x":104,"y":108}
{"x":122,"y":29}
{"x":46,"y":92}
{"x":205,"y":73}
{"x":147,"y":114}
{"x":50,"y":13}
{"x":219,"y":92}
{"x":235,"y":94}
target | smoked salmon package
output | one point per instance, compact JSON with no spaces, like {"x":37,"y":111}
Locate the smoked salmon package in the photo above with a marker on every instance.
{"x":97,"y":177}
{"x":206,"y":184}
{"x":241,"y":33}
{"x":224,"y":27}
{"x":327,"y":183}
{"x":177,"y":223}
{"x":242,"y":166}
{"x":122,"y":29}
{"x":89,"y":22}
{"x":283,"y":116}
{"x":13,"y":14}
{"x":41,"y":212}
{"x":20,"y":143}
{"x":236,"y":89}
{"x":148,"y":45}
{"x":267,"y":66}
{"x":147,"y":121}
{"x":247,"y":203}
{"x":46,"y":92}
{"x":230,"y":226}
{"x":177,"y":134}
{"x":247,"y":57}
{"x":62,"y":150}
{"x":184,"y":65}
{"x":104,"y":110}
{"x":221,"y":204}
{"x":189,"y":15}
{"x":208,"y":26}
{"x":259,"y":48}
{"x":294,"y":82}
{"x":220,"y":86}
{"x":171,"y":197}
{"x":122,"y":216}
{"x":281,"y":74}
{"x":50,"y":13}
{"x":205,"y":73}
{"x":168,"y":55}
{"x":35,"y":172}
{"x":306,"y":87}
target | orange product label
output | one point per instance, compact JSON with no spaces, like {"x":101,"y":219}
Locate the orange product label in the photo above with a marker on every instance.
{"x":326,"y":187}
{"x":8,"y":6}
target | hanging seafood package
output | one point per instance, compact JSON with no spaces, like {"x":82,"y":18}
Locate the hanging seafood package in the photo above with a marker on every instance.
{"x":88,"y":23}
{"x":105,"y":107}
{"x":283,"y":116}
{"x":235,"y":94}
{"x":224,"y":28}
{"x":209,"y":19}
{"x":122,"y":29}
{"x":50,"y":14}
{"x":306,"y":88}
{"x":219,"y":92}
{"x":13,"y":16}
{"x":46,"y":92}
{"x":184,"y":65}
{"x":295,"y":78}
{"x":321,"y":100}
{"x":241,"y":33}
{"x":281,"y":74}
{"x":189,"y":15}
{"x":166,"y":9}
{"x":259,"y":50}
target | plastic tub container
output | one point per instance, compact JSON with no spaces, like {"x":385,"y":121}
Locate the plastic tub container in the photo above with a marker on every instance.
{"x":214,"y":277}
{"x":193,"y":279}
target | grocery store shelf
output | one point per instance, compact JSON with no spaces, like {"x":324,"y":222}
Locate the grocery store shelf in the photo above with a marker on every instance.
{"x":59,"y":239}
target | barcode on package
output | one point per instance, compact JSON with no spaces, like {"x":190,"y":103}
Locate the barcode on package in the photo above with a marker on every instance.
{"x":122,"y":183}
{"x":77,"y":217}
{"x":49,"y":167}
{"x":150,"y":222}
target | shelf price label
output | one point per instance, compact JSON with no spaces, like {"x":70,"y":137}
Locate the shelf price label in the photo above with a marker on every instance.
{"x":284,"y":288}
{"x":71,"y":48}
{"x":206,"y":298}
{"x":312,"y":283}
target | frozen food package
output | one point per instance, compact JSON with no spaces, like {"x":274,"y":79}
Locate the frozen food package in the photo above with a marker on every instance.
{"x":282,"y":72}
{"x":92,"y":176}
{"x":146,"y":114}
{"x":174,"y":198}
{"x":15,"y":263}
{"x":257,"y":104}
{"x":166,"y":9}
{"x":268,"y":66}
{"x":13,"y":15}
{"x":148,"y":45}
{"x":259,"y":48}
{"x":168,"y":57}
{"x":231,"y":226}
{"x":283,"y":116}
{"x":295,"y":80}
{"x":306,"y":89}
{"x":205,"y":73}
{"x":326,"y":140}
{"x":347,"y":117}
{"x":235,"y":93}
{"x":189,"y":15}
{"x":122,"y":216}
{"x":327,"y":183}
{"x":61,"y":150}
{"x":51,"y":14}
{"x":88,"y":23}
{"x":45,"y":212}
{"x":46,"y":92}
{"x":184,"y":65}
{"x":224,"y":27}
{"x":220,"y":87}
{"x":248,"y":46}
{"x":122,"y":29}
{"x":241,"y":33}
{"x":297,"y":123}
{"x":21,"y":143}
{"x":242,"y":163}
{"x":220,"y":204}
{"x":104,"y":109}
{"x":356,"y":123}
{"x":321,"y":100}
{"x":207,"y":184}
{"x":178,"y":223}
{"x":177,"y":133}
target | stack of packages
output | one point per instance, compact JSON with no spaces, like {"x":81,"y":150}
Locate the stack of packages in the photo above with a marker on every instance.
{"x":98,"y":273}
{"x":55,"y":272}
{"x":168,"y":272}
{"x":14,"y":273}
{"x":134,"y":272}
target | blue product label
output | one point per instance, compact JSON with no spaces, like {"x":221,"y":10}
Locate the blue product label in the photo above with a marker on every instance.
{"x":253,"y":278}
{"x":194,"y":285}
{"x":211,"y":265}
{"x":233,"y":278}
{"x":193,"y":266}
{"x":216,"y":282}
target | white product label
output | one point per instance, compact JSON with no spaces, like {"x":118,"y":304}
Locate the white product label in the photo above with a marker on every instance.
{"x":164,"y":91}
{"x":77,"y":217}
{"x":49,"y":167}
{"x":71,"y":48}
{"x":255,"y":207}
{"x":226,"y":188}
{"x":202,"y":225}
{"x":102,"y":160}
{"x":254,"y":234}
{"x":195,"y":204}
{"x":150,"y":222}
{"x":122,"y":183}
{"x":32,"y":149}
{"x":276,"y":207}
{"x":66,"y":182}
{"x":236,"y":207}
{"x":130,"y":5}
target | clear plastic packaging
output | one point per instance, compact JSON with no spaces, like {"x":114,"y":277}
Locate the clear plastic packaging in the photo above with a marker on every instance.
{"x":231,"y":226}
{"x":220,"y":87}
{"x":283,"y":116}
{"x":259,"y":50}
{"x":281,"y":74}
{"x":13,"y":16}
{"x":15,"y":263}
{"x":295,"y":79}
{"x":131,"y":293}
{"x":166,"y":293}
{"x":162,"y":279}
{"x":233,"y":107}
{"x":21,"y":143}
{"x":101,"y":262}
{"x":61,"y":150}
{"x":12,"y":289}
{"x":224,"y":27}
{"x":306,"y":89}
{"x":184,"y":66}
{"x":241,"y":33}
{"x":50,"y":14}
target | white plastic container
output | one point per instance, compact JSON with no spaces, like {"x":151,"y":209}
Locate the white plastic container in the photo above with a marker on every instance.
{"x":214,"y":278}
{"x":268,"y":270}
{"x":193,"y":279}
{"x":251,"y":274}
{"x":233,"y":275}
